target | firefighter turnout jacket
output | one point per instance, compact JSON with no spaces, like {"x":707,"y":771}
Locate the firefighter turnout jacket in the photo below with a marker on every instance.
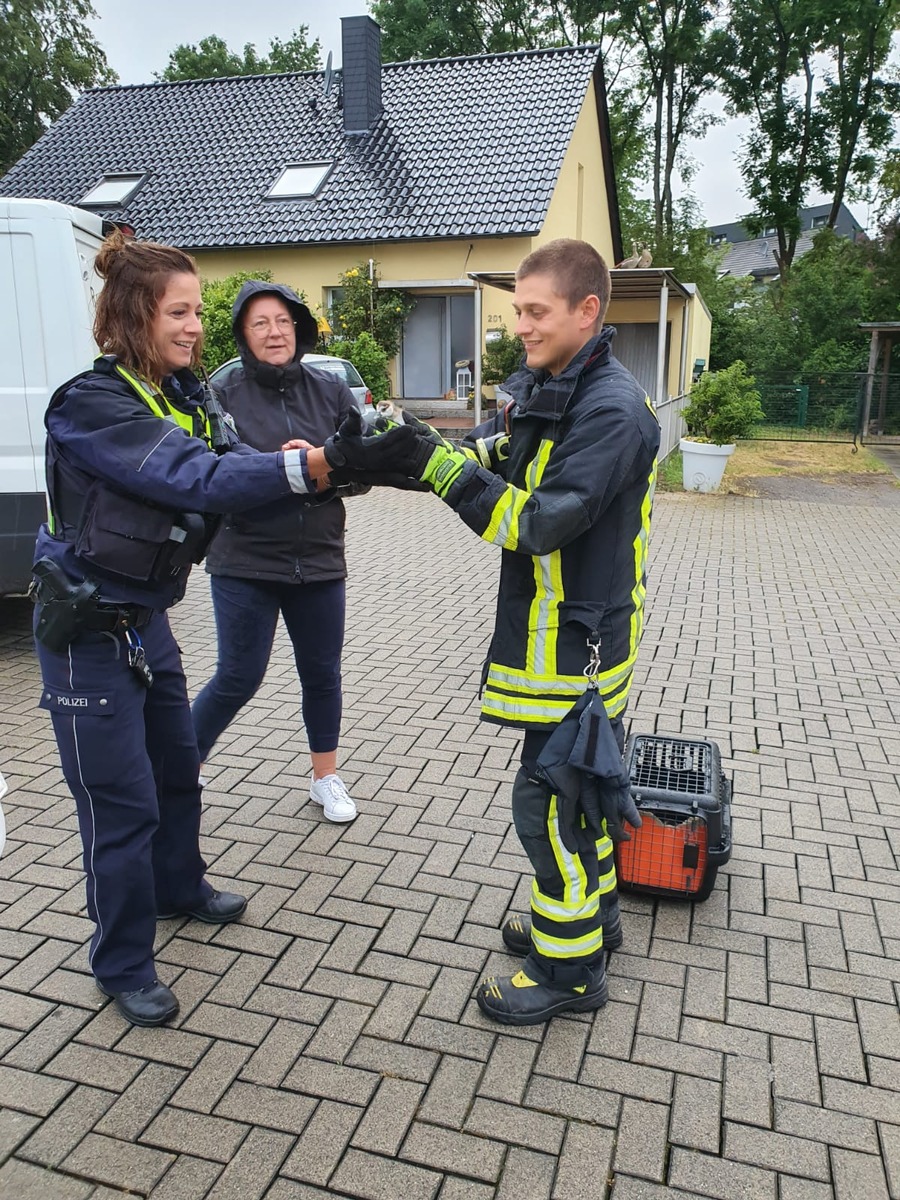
{"x":570,"y":507}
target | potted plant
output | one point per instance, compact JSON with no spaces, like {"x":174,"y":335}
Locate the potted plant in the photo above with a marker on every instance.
{"x":724,"y":406}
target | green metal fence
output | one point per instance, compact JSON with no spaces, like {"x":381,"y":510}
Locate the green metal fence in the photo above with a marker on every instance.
{"x":820,"y":408}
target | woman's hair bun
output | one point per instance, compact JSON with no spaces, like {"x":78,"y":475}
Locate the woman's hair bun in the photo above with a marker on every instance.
{"x":113,"y":251}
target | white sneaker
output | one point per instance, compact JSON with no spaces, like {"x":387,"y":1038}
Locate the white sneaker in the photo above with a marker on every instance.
{"x":336,"y":801}
{"x":202,"y":781}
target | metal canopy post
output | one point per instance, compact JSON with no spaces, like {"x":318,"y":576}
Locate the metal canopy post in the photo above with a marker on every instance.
{"x":478,"y":346}
{"x":870,"y":383}
{"x":682,"y":366}
{"x":661,"y":382}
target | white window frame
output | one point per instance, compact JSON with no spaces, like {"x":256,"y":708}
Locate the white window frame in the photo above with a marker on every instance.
{"x":128,"y":181}
{"x":292,"y":187}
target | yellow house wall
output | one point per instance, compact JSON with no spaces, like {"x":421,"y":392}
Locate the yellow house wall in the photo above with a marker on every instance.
{"x":646,"y":312}
{"x":312,"y":269}
{"x":699,"y":336}
{"x":579,"y":206}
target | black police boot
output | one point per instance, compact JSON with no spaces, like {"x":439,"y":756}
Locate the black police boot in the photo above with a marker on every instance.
{"x":153,"y":1004}
{"x":217,"y":909}
{"x":522,"y":1000}
{"x":517,"y":932}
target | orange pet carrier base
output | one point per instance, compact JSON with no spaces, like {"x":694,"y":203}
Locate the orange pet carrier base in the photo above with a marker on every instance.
{"x":685,"y":805}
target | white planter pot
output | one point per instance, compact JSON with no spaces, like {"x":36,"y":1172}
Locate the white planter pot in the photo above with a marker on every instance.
{"x":703,"y":465}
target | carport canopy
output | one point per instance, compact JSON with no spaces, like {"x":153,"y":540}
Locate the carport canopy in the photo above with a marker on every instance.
{"x":884,"y":334}
{"x":637,"y":283}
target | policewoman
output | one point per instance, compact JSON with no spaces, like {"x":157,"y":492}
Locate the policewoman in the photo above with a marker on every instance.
{"x":136,"y":463}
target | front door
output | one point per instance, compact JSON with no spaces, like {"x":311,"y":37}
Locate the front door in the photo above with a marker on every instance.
{"x":425,"y":370}
{"x":438,"y":333}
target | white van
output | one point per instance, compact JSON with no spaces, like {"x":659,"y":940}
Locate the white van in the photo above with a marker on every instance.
{"x":47,"y":290}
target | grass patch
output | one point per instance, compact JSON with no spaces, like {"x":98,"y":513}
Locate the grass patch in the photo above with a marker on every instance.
{"x":832,"y":462}
{"x":826,"y":461}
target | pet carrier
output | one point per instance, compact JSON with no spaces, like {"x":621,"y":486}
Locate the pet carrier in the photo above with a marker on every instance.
{"x":685,"y":803}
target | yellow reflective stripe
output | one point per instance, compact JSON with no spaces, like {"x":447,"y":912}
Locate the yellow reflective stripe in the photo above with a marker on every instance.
{"x":544,"y":711}
{"x":569,"y":865}
{"x":557,"y":910}
{"x":514,"y":679}
{"x":552,"y":947}
{"x":543,"y":620}
{"x":641,"y":542}
{"x":470,"y":453}
{"x":490,"y":534}
{"x":543,"y":617}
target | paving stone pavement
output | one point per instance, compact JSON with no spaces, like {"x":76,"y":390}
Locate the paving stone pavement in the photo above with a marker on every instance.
{"x":328,"y":1044}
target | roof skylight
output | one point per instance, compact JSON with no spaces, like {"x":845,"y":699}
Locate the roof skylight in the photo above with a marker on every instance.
{"x":302,"y":179}
{"x":112,"y":189}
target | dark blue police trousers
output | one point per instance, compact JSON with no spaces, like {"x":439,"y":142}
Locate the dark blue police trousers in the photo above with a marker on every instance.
{"x":129,"y":756}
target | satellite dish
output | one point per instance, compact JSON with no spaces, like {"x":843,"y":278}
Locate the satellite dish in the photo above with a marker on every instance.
{"x":329,"y":75}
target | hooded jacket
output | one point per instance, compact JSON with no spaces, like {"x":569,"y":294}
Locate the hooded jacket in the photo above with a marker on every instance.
{"x":571,"y":510}
{"x":294,"y":539}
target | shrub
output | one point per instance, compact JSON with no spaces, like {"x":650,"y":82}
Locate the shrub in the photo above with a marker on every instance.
{"x":369,"y":359}
{"x":218,"y":297}
{"x":360,"y":306}
{"x":501,"y":357}
{"x":724,"y":406}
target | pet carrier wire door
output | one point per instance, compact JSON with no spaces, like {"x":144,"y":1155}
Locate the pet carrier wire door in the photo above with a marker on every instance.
{"x":685,"y":802}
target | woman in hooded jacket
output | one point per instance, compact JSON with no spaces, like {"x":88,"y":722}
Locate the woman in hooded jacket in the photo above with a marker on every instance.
{"x":282,"y":557}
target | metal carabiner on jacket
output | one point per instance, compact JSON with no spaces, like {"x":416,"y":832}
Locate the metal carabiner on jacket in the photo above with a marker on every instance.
{"x":592,"y":670}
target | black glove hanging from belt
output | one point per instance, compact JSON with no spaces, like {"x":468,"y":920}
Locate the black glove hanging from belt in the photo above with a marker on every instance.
{"x":582,"y":763}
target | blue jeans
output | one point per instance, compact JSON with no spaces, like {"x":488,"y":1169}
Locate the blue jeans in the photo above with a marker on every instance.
{"x":246,"y":616}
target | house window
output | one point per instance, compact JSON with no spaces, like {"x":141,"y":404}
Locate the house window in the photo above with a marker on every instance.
{"x":716,"y":239}
{"x":304,"y":179}
{"x":819,"y":222}
{"x":769,"y":231}
{"x":112,"y":190}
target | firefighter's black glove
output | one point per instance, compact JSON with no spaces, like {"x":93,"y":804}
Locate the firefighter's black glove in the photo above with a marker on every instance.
{"x":428,"y":432}
{"x":342,"y":476}
{"x":605,"y":800}
{"x":382,"y":453}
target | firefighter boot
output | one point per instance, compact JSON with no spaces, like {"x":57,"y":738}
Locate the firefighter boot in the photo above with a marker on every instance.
{"x":517,"y":932}
{"x":522,"y":1000}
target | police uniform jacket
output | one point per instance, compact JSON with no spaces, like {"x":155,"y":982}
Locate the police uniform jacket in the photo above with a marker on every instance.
{"x":293,"y":539}
{"x":119,"y":478}
{"x":571,"y":511}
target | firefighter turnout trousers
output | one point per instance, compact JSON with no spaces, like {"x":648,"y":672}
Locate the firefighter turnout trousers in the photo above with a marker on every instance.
{"x":570,"y":892}
{"x":129,"y":756}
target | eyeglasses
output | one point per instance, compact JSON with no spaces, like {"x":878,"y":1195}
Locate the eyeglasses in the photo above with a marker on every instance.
{"x":263,"y":325}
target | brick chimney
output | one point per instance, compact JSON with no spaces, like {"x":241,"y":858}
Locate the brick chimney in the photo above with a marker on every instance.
{"x":361,"y":73}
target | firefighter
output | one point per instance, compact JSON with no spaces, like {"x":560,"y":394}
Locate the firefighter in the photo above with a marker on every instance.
{"x":561,"y":479}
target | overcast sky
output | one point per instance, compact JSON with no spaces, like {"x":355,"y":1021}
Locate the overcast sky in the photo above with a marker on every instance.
{"x":138,"y":36}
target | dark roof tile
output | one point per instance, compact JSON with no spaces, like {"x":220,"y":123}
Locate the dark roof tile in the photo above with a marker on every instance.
{"x":464,"y":146}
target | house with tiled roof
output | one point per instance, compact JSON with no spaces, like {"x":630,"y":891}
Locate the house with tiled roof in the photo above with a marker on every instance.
{"x":755,"y":256}
{"x":445,"y":172}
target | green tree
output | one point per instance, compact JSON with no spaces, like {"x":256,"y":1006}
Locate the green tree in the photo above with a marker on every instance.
{"x":49,"y":54}
{"x":859,"y":100}
{"x":211,"y":58}
{"x":808,"y":323}
{"x":806,"y":131}
{"x":361,"y":306}
{"x":773,"y":44}
{"x":218,"y":297}
{"x":681,"y":53}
